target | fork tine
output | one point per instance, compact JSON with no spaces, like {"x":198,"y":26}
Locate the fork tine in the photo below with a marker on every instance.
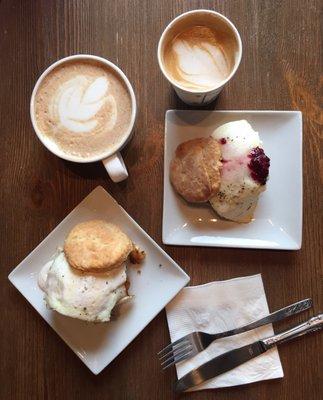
{"x":177,"y":359}
{"x":175,"y":353}
{"x":187,"y":350}
{"x":176,"y":348}
{"x":167,"y":348}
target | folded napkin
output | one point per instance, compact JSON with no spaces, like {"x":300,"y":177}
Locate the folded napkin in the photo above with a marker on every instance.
{"x":217,"y":307}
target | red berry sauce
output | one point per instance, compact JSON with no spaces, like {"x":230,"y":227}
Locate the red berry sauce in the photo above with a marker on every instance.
{"x":223,"y":140}
{"x":259,"y":165}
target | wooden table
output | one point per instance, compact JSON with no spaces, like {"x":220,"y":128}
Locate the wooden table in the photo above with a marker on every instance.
{"x":280,"y":70}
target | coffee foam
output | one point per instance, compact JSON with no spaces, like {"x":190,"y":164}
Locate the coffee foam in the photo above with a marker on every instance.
{"x":83,"y":108}
{"x":77,"y":104}
{"x":197,"y":58}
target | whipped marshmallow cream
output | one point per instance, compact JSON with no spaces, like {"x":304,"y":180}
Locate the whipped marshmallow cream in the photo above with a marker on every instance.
{"x":76,"y":294}
{"x":198,"y":59}
{"x":245,"y":169}
{"x":83,"y":108}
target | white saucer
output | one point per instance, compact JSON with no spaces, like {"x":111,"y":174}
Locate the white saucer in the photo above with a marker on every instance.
{"x":159,"y":281}
{"x":277,"y":221}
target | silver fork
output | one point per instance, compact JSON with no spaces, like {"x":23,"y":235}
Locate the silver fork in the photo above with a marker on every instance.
{"x":188,"y":346}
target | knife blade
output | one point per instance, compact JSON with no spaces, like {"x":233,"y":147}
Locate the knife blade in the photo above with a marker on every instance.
{"x":232,"y":359}
{"x":218,"y":365}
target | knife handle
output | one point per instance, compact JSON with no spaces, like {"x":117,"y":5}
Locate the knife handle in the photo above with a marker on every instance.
{"x":311,"y":325}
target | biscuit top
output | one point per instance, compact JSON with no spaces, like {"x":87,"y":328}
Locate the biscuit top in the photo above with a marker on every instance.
{"x":195,"y":169}
{"x":96,"y":245}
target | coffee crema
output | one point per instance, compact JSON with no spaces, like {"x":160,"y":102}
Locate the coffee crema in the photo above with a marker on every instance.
{"x":83,"y":107}
{"x":198,"y":58}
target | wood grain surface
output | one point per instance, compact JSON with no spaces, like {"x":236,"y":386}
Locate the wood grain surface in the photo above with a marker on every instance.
{"x":280,"y":70}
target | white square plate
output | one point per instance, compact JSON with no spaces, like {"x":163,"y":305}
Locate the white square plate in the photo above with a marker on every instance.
{"x":160,"y":280}
{"x":277,"y":221}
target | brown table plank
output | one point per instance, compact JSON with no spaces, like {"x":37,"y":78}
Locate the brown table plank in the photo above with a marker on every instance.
{"x":280,"y":70}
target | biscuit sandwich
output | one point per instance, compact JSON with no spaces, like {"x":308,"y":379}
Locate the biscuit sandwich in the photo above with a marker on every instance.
{"x":88,"y":277}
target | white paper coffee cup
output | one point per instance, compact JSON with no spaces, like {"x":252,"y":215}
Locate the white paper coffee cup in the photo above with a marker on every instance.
{"x":192,"y":96}
{"x":112,"y":158}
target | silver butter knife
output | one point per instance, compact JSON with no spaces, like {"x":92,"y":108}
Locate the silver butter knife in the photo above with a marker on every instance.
{"x":232,"y":359}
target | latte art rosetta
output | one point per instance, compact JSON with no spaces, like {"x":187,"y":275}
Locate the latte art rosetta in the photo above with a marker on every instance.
{"x":83,"y":108}
{"x":203,"y":65}
{"x":78,"y":101}
{"x":196,"y":58}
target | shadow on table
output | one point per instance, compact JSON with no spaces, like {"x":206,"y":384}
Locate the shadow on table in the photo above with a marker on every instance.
{"x":176,"y":103}
{"x":86,"y":170}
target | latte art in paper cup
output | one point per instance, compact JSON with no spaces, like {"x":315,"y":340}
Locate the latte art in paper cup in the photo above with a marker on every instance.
{"x":197,"y":59}
{"x":199,"y":52}
{"x":83,"y":108}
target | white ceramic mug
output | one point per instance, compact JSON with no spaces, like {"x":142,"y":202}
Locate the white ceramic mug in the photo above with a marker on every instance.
{"x":191,"y":96}
{"x":112,"y":159}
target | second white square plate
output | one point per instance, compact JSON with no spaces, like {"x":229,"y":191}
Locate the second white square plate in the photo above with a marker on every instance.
{"x":159,"y":281}
{"x":277,"y":221}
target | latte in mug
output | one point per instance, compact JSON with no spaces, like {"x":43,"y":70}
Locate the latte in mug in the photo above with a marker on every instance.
{"x":83,"y":107}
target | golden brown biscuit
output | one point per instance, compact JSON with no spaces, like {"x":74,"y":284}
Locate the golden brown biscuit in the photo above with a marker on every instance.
{"x":97,"y":245}
{"x":195,"y":169}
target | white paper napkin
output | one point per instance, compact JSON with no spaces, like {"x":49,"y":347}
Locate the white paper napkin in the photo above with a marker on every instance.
{"x":217,"y":307}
